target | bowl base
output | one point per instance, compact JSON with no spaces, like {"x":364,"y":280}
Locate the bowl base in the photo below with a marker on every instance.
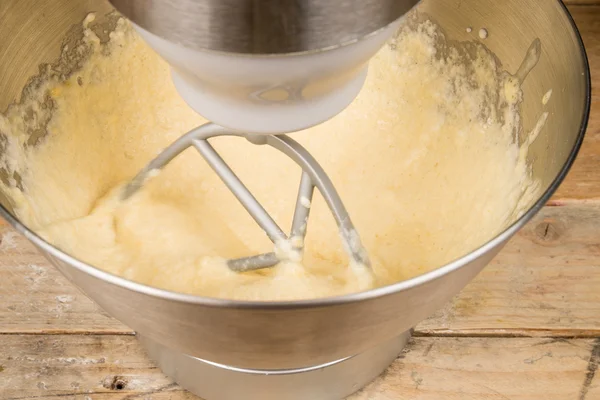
{"x":331,"y":381}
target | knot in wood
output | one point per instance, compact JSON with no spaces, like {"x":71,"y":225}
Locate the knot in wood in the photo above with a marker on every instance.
{"x":548,"y":231}
{"x":115,"y":383}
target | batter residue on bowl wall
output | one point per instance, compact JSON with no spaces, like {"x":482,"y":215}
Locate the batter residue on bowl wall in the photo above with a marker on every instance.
{"x":425,"y":160}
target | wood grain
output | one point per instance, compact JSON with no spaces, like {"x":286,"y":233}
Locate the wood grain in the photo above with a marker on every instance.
{"x":115,"y":367}
{"x":36,"y":298}
{"x":583,"y":182}
{"x":546,"y":282}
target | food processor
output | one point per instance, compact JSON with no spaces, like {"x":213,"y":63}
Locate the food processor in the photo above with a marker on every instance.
{"x":281,"y":66}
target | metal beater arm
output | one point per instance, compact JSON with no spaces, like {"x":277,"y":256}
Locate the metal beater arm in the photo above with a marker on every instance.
{"x":313,"y":176}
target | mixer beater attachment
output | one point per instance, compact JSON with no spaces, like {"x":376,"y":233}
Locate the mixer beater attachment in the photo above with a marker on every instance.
{"x":313,"y":176}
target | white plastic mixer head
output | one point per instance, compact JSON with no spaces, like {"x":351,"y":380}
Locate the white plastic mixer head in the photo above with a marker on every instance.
{"x":269,"y":66}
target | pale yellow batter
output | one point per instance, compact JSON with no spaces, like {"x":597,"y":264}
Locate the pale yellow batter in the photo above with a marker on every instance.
{"x":424,"y":159}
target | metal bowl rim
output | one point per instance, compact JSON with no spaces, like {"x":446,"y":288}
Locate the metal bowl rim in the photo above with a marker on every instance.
{"x":347,"y":298}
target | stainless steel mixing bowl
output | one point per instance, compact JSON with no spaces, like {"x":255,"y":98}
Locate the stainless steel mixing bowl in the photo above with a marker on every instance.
{"x":306,"y":333}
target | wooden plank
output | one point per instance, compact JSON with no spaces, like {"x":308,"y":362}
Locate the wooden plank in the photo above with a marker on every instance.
{"x":79,"y":367}
{"x":35,"y":297}
{"x":490,"y":368}
{"x":115,"y":367}
{"x":583,"y":182}
{"x":545,"y":282}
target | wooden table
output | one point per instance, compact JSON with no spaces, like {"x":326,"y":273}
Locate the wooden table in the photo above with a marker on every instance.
{"x":527,"y":328}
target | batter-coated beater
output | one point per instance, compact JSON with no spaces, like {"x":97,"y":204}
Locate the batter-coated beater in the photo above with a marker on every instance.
{"x":312,"y":176}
